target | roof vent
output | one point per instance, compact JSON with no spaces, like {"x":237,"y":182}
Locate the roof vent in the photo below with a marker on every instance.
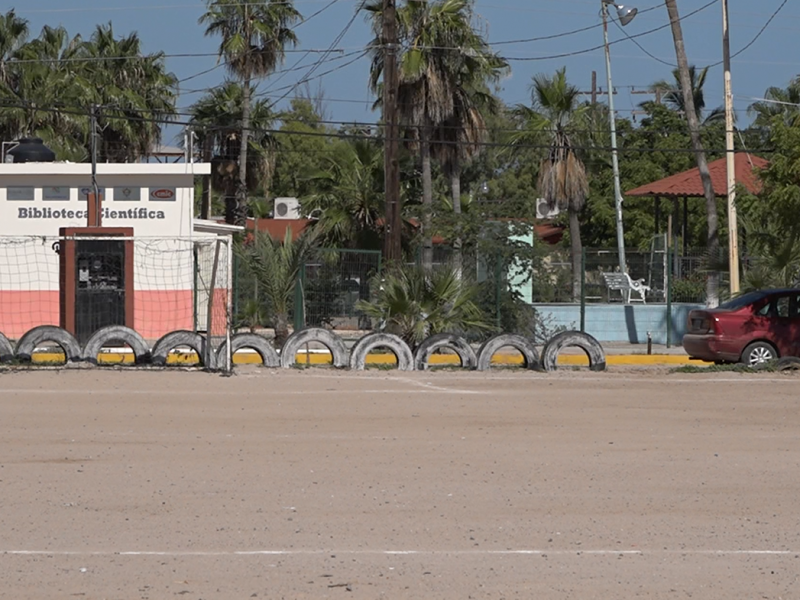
{"x":31,"y":150}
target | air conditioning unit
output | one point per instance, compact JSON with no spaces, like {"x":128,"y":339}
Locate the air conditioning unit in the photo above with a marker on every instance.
{"x":543,"y":211}
{"x":287,"y":208}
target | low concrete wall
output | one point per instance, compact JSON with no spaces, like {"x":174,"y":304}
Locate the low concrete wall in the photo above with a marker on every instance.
{"x":620,"y":322}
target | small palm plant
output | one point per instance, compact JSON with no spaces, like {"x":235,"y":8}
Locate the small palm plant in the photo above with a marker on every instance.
{"x":414,"y":304}
{"x":275,"y":265}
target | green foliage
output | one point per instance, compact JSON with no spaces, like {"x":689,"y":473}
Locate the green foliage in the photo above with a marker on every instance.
{"x":689,"y":289}
{"x":54,"y":70}
{"x":772,"y":229}
{"x":349,"y":196}
{"x":415,"y":304}
{"x":275,"y":267}
{"x":304,"y":153}
{"x":217,"y":121}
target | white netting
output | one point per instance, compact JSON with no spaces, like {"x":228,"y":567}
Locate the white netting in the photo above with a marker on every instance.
{"x":172,"y":284}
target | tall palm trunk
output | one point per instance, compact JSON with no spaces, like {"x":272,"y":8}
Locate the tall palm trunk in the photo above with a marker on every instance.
{"x":577,"y":253}
{"x":427,"y":198}
{"x":712,"y":283}
{"x":455,"y":190}
{"x":240,"y":217}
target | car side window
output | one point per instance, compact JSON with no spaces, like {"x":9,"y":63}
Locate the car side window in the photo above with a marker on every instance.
{"x":782,"y":307}
{"x":766,"y":310}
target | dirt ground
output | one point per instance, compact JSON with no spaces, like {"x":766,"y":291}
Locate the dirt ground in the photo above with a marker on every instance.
{"x":319,"y":484}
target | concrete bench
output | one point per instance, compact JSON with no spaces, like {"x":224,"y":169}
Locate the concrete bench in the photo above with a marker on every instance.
{"x":623,"y":283}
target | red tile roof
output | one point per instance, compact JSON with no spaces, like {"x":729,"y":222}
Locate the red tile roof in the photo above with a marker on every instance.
{"x":277,"y":227}
{"x":689,"y":184}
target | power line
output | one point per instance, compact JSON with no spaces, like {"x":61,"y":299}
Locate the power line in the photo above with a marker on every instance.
{"x":355,"y":136}
{"x":307,"y":77}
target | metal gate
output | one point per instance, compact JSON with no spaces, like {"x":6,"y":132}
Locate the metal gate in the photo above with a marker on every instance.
{"x":99,"y":286}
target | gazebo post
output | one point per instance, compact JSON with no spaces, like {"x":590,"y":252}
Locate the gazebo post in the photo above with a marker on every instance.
{"x":657,"y":213}
{"x":676,"y":219}
{"x":685,"y":221}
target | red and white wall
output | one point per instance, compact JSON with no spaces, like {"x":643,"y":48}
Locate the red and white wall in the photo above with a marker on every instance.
{"x":156,"y":200}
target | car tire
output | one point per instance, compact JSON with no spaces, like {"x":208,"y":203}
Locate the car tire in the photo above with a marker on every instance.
{"x":466,"y":354}
{"x":47,"y":333}
{"x":116,"y":333}
{"x":520,"y":343}
{"x":302,"y":337}
{"x":6,"y":349}
{"x":593,"y":349}
{"x":193,"y":340}
{"x":252,"y":341}
{"x":368,"y":343}
{"x":759,"y":353}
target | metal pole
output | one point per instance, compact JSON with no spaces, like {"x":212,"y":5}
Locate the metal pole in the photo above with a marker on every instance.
{"x":210,"y":316}
{"x":583,"y":290}
{"x":393,"y":229}
{"x":669,"y":296}
{"x":614,"y":157}
{"x":98,"y":217}
{"x":733,"y":233}
{"x":229,"y":324}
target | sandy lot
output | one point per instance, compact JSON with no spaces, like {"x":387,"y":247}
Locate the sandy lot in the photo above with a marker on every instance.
{"x":318,"y":484}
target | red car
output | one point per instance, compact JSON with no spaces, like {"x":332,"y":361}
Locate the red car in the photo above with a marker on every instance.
{"x":754,"y":328}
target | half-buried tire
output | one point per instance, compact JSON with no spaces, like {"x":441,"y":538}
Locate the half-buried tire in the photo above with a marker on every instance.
{"x":48,"y":333}
{"x":522,"y":344}
{"x":314,"y":335}
{"x":584,"y":341}
{"x":175,"y":339}
{"x":6,"y":349}
{"x":788,"y":363}
{"x":253,"y":341}
{"x":120,"y":334}
{"x":368,"y":343}
{"x":459,"y":345}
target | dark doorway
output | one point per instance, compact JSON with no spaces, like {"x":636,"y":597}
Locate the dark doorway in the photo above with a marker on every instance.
{"x":99,"y":286}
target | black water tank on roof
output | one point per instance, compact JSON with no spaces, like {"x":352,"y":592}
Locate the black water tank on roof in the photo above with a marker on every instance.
{"x":32,"y":150}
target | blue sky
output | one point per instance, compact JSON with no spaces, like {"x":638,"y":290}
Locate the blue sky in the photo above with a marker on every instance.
{"x":171,"y":26}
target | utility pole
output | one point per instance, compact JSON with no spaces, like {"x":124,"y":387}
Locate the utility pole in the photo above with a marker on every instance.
{"x":623,"y":263}
{"x":733,"y":229}
{"x":205,"y":194}
{"x":392,"y":248}
{"x":94,"y":202}
{"x":712,"y":283}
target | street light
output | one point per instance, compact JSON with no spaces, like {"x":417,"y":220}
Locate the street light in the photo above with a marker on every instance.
{"x":625,"y":16}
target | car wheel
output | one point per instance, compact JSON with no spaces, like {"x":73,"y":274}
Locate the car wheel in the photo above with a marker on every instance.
{"x":759,"y":353}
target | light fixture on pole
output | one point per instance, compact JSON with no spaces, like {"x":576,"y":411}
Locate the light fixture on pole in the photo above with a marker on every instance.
{"x":625,"y":16}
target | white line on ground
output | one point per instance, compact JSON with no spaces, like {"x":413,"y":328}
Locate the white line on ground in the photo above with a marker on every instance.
{"x":239,"y":394}
{"x":429,"y":386}
{"x":235,"y":553}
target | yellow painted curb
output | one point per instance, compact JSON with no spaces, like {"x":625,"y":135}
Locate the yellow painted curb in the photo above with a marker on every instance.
{"x":321,"y":358}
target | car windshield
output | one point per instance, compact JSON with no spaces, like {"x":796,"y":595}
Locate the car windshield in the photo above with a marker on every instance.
{"x":742,"y":301}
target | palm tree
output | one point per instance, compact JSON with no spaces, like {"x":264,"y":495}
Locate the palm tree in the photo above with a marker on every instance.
{"x":217,"y":116}
{"x":435,"y":37}
{"x":777,"y":102}
{"x":692,"y":119}
{"x":38,"y":85}
{"x":459,"y":138}
{"x":13,"y":34}
{"x":557,"y":115}
{"x":672,"y":94}
{"x":254,"y":35}
{"x":135,"y":92}
{"x":414,"y":304}
{"x":275,"y":265}
{"x":349,"y":196}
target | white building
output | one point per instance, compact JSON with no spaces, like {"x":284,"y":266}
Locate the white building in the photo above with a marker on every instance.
{"x":173,"y":253}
